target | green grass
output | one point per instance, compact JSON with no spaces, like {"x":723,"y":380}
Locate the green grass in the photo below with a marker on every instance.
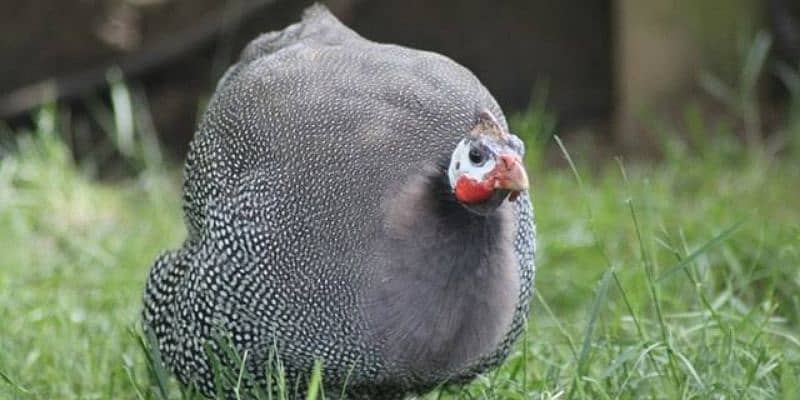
{"x":676,"y":279}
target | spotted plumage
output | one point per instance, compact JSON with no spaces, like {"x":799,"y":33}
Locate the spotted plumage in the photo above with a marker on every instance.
{"x":323,"y":225}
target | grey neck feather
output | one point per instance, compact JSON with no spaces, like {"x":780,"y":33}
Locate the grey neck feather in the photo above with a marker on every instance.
{"x":447,"y":285}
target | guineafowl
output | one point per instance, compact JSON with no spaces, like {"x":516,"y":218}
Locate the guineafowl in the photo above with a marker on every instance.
{"x":356,"y":204}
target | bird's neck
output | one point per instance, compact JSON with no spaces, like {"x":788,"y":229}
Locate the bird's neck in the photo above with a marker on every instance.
{"x":447,"y":286}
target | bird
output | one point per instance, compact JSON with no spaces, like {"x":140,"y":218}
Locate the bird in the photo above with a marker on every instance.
{"x":351,"y":205}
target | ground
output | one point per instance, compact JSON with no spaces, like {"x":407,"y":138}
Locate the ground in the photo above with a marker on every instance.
{"x":677,"y":278}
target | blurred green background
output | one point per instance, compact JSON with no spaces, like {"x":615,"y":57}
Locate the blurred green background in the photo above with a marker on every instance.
{"x":663,"y":145}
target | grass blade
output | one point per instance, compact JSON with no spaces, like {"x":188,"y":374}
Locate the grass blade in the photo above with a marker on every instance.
{"x":315,"y":384}
{"x":721,"y":237}
{"x":7,"y":379}
{"x":599,"y":300}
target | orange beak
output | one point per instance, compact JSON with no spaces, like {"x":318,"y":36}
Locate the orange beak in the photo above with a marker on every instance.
{"x":509,"y":174}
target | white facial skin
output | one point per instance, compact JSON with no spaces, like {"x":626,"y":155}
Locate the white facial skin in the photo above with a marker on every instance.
{"x":460,"y":164}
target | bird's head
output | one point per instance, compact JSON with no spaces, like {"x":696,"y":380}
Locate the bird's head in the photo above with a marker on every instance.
{"x":486,"y":167}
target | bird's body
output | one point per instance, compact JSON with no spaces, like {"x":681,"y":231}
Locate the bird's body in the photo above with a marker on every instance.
{"x":322,"y":225}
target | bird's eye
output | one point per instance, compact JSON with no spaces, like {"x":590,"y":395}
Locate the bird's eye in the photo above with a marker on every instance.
{"x":475,"y":155}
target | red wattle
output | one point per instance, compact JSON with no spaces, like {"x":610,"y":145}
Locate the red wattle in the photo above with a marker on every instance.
{"x":471,"y":191}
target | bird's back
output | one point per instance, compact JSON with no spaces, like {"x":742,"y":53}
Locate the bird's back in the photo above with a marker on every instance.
{"x":324,"y":107}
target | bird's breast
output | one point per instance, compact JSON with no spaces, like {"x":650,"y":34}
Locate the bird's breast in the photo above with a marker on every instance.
{"x":445,"y":285}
